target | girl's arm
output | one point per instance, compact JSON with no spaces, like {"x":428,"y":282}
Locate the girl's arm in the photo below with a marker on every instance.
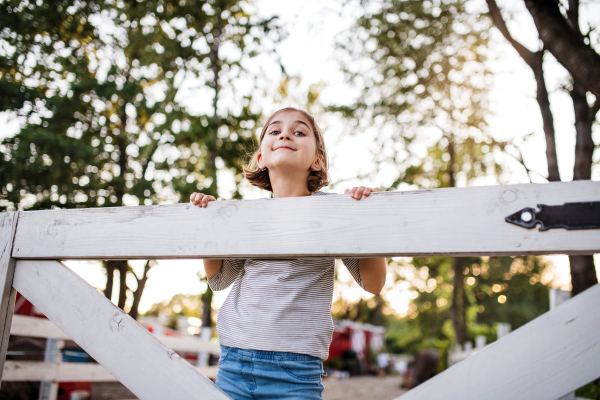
{"x":372,"y":270}
{"x":372,"y":273}
{"x":212,"y":267}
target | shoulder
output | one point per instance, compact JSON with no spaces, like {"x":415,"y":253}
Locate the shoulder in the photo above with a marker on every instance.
{"x":319,"y":193}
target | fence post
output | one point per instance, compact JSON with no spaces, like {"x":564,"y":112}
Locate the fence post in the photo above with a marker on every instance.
{"x":8,"y":227}
{"x":49,"y":389}
{"x":205,"y":335}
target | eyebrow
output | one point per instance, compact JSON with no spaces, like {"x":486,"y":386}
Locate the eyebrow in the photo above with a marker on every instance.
{"x":297,"y":121}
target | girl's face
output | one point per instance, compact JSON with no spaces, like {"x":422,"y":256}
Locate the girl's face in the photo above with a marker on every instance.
{"x":289,"y":144}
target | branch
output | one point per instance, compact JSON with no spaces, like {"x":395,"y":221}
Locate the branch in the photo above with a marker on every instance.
{"x":526,"y":54}
{"x":522,"y":162}
{"x":565,"y":44}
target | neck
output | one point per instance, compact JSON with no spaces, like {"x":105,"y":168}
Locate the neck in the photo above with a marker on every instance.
{"x":289,"y":185}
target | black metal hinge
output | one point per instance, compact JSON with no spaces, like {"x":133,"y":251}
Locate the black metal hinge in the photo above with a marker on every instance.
{"x":569,"y":216}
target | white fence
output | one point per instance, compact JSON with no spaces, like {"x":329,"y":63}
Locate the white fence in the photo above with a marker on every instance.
{"x":545,"y":359}
{"x":79,"y":372}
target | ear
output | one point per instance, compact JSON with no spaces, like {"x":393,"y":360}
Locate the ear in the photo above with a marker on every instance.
{"x":318,"y":164}
{"x":259,"y":159}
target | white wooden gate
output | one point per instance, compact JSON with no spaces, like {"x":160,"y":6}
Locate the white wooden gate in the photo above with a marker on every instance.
{"x":551,"y":356}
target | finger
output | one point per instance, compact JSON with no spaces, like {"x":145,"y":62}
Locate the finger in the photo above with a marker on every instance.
{"x":359,"y":192}
{"x":367,"y":191}
{"x":346,"y":191}
{"x":192,"y":196}
{"x":198,"y":199}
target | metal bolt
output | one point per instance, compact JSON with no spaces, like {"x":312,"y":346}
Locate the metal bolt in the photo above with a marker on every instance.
{"x":526,"y":216}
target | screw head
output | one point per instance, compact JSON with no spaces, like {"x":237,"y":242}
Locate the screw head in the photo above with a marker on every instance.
{"x":526,"y":216}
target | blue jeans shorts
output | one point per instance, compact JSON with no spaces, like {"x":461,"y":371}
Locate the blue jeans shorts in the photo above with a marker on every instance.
{"x":257,"y":374}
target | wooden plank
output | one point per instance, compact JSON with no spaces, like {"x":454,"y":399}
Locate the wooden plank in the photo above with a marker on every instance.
{"x":43,"y":328}
{"x":545,"y":359}
{"x":125,"y":348}
{"x":69,"y":372}
{"x":8,"y":226}
{"x":452,"y":221}
{"x":23,"y":325}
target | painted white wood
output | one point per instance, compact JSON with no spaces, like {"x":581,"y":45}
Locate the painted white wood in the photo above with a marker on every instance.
{"x":125,"y":348}
{"x":452,"y":221}
{"x":545,"y":359}
{"x":49,"y":389}
{"x":70,"y":372}
{"x":23,"y":325}
{"x":8,"y":225}
{"x":557,"y":297}
{"x":43,"y":328}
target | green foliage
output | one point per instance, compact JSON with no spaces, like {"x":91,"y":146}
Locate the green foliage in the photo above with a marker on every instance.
{"x":101,"y":92}
{"x":590,"y":391}
{"x":181,"y":304}
{"x":498,"y":289}
{"x":423,"y":84}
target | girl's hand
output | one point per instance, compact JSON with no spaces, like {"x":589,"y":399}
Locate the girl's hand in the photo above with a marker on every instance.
{"x":358,"y":192}
{"x":201,"y":199}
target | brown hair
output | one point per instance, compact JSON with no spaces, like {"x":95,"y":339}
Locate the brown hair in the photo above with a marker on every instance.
{"x":316,"y":179}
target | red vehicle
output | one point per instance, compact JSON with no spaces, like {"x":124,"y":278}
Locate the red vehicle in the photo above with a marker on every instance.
{"x":351,"y":344}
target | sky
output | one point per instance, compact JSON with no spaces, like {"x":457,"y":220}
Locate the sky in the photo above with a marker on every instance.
{"x":309,"y":52}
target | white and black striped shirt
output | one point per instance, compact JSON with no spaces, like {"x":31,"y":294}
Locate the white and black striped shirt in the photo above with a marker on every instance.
{"x":279,"y":304}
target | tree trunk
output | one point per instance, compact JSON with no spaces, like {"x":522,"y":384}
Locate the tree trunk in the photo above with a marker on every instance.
{"x":566,"y":44}
{"x":459,"y":301}
{"x":110,"y":272}
{"x":137,"y":295}
{"x":377,"y":312}
{"x":458,"y":307}
{"x":123,"y":267}
{"x":583,"y":271}
{"x":547,"y":118}
{"x":584,"y":146}
{"x":207,"y":308}
{"x":535,"y":61}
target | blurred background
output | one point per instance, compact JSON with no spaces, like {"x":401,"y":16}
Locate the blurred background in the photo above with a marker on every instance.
{"x":126,"y":103}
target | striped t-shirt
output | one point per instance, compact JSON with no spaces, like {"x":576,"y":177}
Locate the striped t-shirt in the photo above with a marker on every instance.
{"x":279,"y":304}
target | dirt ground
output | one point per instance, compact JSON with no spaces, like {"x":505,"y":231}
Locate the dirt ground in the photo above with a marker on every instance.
{"x":363,"y":387}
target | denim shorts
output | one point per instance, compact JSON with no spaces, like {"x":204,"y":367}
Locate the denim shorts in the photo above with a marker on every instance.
{"x":257,"y":374}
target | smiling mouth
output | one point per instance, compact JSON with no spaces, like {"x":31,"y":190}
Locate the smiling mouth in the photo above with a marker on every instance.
{"x":285,"y":148}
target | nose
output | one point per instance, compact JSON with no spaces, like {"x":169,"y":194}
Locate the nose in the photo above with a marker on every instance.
{"x":285,"y":136}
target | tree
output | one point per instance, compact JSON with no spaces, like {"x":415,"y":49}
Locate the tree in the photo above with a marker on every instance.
{"x":497,"y":289}
{"x":560,"y":32}
{"x":423,"y":84}
{"x":108,"y":124}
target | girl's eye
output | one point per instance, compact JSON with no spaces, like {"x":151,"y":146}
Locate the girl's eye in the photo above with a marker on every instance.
{"x":301,"y":133}
{"x":275,"y":131}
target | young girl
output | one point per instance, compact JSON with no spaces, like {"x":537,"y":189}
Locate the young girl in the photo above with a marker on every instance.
{"x":275,"y":326}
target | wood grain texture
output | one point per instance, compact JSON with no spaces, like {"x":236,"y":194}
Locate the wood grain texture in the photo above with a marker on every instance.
{"x":453,"y":221}
{"x":545,"y":359}
{"x":69,"y":372}
{"x":121,"y":345}
{"x":43,"y":328}
{"x":8,"y":225}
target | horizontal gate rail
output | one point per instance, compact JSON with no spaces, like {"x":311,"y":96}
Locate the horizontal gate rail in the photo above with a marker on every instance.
{"x":453,"y":221}
{"x":69,"y":372}
{"x":119,"y":343}
{"x":44,"y":328}
{"x":551,"y":356}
